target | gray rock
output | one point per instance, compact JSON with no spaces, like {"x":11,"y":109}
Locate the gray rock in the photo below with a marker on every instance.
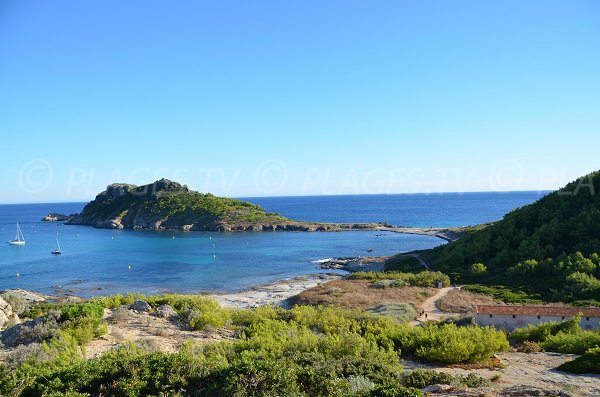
{"x":34,"y":331}
{"x":436,"y":388}
{"x":530,"y":391}
{"x":166,"y":311}
{"x":140,"y":306}
{"x":6,"y":314}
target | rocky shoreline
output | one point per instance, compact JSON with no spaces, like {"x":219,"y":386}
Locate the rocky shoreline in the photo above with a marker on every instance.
{"x":448,"y":234}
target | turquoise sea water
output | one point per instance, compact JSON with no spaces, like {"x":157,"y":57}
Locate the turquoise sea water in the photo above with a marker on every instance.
{"x":96,"y":261}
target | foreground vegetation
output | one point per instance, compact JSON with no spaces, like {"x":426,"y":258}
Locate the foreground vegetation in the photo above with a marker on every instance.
{"x":304,"y":351}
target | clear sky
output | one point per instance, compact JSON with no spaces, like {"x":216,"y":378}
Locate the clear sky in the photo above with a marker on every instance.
{"x":257,"y":98}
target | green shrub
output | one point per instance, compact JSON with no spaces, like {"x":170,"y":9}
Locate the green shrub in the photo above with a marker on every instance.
{"x":589,"y":363}
{"x":478,"y":269}
{"x":541,"y":332}
{"x":572,"y":343}
{"x":448,"y":343}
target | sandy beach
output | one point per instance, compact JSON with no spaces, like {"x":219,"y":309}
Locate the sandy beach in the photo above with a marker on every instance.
{"x":276,"y":293}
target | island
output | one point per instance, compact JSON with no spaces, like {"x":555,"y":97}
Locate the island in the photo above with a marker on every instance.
{"x":168,"y":205}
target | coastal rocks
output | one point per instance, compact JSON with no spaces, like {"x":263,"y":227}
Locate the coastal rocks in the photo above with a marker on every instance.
{"x":7,"y":316}
{"x":56,"y":217}
{"x":166,"y":311}
{"x":357,"y":264}
{"x":29,"y":296}
{"x":109,"y":224}
{"x":140,"y":306}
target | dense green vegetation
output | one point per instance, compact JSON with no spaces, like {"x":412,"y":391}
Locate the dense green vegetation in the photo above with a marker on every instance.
{"x":553,"y":241}
{"x":303,"y":351}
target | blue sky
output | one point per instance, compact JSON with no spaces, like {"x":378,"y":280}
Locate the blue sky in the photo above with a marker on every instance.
{"x":297,"y":97}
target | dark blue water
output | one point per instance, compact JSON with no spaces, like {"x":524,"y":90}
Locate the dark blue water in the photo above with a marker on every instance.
{"x":420,"y":210}
{"x":96,"y":261}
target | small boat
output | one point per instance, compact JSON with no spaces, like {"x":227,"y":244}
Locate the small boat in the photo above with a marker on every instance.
{"x":19,"y":239}
{"x":57,"y":251}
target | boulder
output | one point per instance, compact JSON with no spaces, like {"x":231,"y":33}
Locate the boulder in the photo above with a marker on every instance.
{"x":166,"y":311}
{"x":6,"y":314}
{"x":140,"y":306}
{"x":33,"y":331}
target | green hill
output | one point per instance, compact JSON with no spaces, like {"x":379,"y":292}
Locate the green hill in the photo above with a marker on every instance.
{"x":165,"y":204}
{"x":547,"y":248}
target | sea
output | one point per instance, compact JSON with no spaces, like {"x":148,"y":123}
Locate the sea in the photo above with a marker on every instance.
{"x":101,"y":261}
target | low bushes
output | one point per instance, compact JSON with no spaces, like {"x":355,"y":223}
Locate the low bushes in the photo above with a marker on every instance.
{"x":541,"y":332}
{"x":197,"y":310}
{"x":421,"y":279}
{"x":572,"y":343}
{"x":560,"y":337}
{"x":589,"y":363}
{"x":304,"y":351}
{"x":448,"y":343}
{"x":504,"y":294}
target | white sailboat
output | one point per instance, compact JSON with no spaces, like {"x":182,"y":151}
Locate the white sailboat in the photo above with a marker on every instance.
{"x":19,"y":239}
{"x":57,"y":251}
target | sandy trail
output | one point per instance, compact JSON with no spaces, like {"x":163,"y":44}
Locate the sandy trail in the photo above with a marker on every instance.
{"x":430,"y":309}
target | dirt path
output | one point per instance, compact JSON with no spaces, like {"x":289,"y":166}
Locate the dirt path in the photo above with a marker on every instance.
{"x":430,"y":309}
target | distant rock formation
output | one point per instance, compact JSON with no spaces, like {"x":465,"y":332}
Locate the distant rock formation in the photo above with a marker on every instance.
{"x":56,"y":217}
{"x":168,"y":205}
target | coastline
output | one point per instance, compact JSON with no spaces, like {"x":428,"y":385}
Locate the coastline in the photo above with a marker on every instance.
{"x":276,"y":293}
{"x":448,"y":234}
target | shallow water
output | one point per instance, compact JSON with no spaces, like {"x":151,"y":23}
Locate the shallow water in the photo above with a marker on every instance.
{"x":97,"y":261}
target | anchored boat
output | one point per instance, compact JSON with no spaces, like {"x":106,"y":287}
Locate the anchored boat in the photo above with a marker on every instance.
{"x":19,"y":238}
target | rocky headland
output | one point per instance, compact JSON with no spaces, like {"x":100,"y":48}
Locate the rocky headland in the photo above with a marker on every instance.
{"x":168,"y":205}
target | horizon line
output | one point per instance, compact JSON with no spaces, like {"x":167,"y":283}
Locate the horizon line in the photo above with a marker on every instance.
{"x":320,"y":195}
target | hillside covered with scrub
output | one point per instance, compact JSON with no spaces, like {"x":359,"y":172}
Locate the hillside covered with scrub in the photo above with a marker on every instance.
{"x":168,"y":205}
{"x":165,"y":204}
{"x":548,"y":249}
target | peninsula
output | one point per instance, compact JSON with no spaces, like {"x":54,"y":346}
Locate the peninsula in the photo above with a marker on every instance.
{"x":168,"y":205}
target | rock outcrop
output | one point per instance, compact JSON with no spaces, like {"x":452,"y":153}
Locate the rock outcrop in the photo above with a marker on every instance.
{"x":166,"y":311}
{"x":7,"y":316}
{"x":140,"y":306}
{"x":57,"y":217}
